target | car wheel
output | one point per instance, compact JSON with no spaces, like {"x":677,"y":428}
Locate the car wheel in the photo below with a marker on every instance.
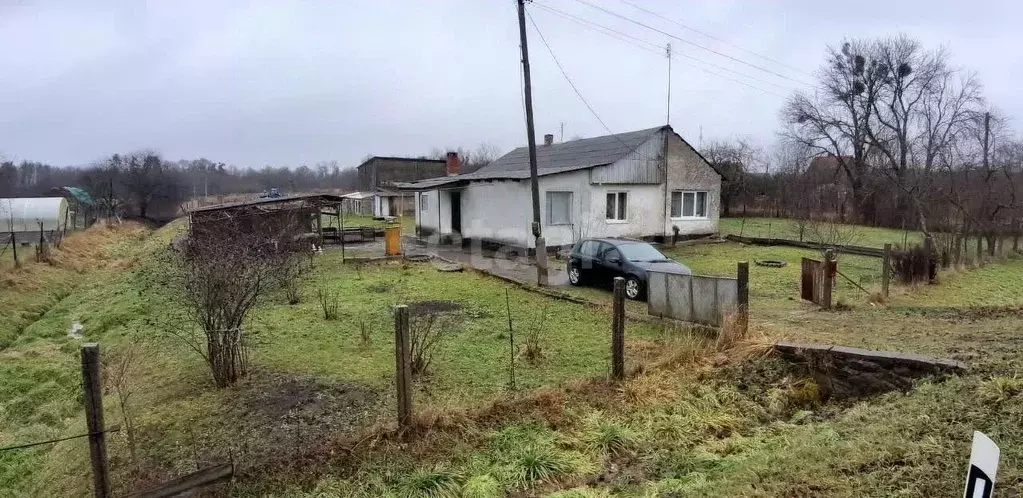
{"x":633,"y":288}
{"x":575,"y":275}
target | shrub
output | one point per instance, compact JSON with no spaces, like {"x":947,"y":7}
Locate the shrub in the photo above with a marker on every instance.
{"x":912,"y":265}
{"x":330,"y":302}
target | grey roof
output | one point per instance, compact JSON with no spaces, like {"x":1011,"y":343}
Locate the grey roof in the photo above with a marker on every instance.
{"x":550,"y":159}
{"x":567,"y":156}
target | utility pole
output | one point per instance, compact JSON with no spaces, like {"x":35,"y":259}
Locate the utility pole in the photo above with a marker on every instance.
{"x":667,"y":118}
{"x":541,"y":248}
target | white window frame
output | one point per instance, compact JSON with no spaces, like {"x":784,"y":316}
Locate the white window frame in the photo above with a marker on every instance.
{"x":619,"y":217}
{"x":424,"y":202}
{"x":571,"y":201}
{"x":682,"y":205}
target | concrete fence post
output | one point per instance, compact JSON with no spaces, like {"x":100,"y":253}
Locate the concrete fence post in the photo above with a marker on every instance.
{"x":886,"y":270}
{"x":742,"y":294}
{"x":618,"y":331}
{"x":92,"y":388}
{"x":403,"y":365}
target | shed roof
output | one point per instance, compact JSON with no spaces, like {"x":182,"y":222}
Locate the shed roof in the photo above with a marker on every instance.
{"x":323,"y":198}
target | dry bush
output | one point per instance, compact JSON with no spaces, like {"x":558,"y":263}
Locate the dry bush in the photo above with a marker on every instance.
{"x":364,"y":336}
{"x":831,"y":233}
{"x":911,"y":265}
{"x":535,"y":338}
{"x":427,"y":333}
{"x":330,"y":303}
{"x":225,"y":270}
{"x":733,"y":331}
{"x":120,"y":373}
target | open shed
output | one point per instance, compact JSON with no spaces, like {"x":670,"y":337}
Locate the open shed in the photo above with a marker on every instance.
{"x":25,"y":216}
{"x":292,"y":216}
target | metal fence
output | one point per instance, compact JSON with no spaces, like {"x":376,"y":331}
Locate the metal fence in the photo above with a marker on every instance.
{"x":691,"y":298}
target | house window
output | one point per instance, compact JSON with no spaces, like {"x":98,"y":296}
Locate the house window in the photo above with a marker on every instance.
{"x":423,"y":202}
{"x":617,"y":206}
{"x":688,"y":204}
{"x":559,"y":208}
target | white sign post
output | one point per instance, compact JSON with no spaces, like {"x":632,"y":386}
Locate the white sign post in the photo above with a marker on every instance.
{"x":980,"y":480}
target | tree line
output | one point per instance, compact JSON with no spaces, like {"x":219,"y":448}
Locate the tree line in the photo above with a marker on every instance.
{"x":144,"y":184}
{"x":892,"y":134}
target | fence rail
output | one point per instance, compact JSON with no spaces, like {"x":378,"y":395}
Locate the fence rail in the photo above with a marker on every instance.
{"x":855,"y":250}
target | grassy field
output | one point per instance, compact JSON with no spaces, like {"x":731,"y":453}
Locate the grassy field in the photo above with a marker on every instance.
{"x":322,"y":373}
{"x":695,"y":418}
{"x":781,"y":228}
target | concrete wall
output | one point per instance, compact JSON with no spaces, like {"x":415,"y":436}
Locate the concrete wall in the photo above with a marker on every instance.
{"x":687,"y":171}
{"x":691,"y":298}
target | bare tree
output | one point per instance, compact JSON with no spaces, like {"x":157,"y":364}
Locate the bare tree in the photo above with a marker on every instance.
{"x":121,"y":374}
{"x":834,"y":122}
{"x":734,"y":158}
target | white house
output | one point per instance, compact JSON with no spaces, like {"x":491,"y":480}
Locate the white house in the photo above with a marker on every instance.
{"x":643,"y":184}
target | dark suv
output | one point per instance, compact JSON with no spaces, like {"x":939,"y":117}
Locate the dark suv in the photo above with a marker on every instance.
{"x":599,"y":261}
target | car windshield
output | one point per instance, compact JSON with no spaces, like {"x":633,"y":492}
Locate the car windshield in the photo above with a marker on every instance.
{"x":641,"y":253}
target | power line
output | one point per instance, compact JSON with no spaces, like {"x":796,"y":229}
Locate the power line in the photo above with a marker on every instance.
{"x":712,"y":37}
{"x":656,"y":49}
{"x":563,"y":73}
{"x":577,"y":92}
{"x":697,"y":45}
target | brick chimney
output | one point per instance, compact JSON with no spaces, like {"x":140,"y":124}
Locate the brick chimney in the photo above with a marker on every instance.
{"x":548,"y":139}
{"x":454,"y":163}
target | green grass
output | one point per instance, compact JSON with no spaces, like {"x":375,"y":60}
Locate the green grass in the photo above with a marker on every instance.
{"x":783,"y":228}
{"x":707,"y":423}
{"x":179,"y":412}
{"x":777,"y":287}
{"x":473,"y":362}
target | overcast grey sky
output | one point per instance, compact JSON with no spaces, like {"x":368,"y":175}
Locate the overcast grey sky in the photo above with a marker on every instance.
{"x":289,"y":82}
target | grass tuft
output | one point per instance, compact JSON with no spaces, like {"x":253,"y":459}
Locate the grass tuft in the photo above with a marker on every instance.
{"x":540,"y":463}
{"x":434,"y":483}
{"x":608,"y":436}
{"x":482,"y":486}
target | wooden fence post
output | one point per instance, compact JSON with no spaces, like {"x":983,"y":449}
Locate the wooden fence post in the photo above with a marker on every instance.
{"x":93,"y":398}
{"x":932,"y":270}
{"x":886,"y":270}
{"x":618,"y":331}
{"x":828,"y":282}
{"x":14,"y":247}
{"x":742,"y":276}
{"x":403,"y":366}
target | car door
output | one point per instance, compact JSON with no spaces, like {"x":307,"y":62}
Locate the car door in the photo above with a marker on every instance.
{"x":586,"y":259}
{"x":610,"y":263}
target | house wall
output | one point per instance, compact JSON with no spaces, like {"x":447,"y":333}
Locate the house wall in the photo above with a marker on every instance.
{"x":500,"y":211}
{"x":687,"y":171}
{"x":642,"y":165}
{"x":428,"y":221}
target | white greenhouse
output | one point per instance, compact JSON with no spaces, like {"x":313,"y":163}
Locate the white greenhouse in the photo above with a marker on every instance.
{"x":22,"y":216}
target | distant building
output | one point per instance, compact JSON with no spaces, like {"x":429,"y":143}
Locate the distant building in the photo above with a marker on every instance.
{"x":378,"y":175}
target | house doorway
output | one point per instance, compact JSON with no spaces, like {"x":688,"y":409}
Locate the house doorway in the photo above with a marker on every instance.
{"x":456,"y":211}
